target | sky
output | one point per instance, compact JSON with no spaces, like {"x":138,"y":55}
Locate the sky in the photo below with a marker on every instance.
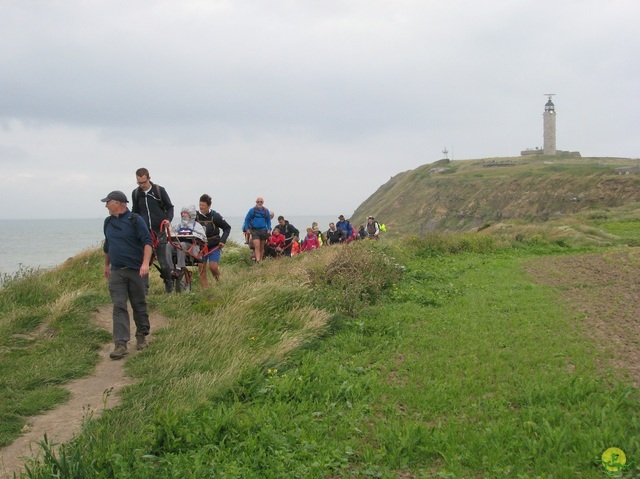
{"x":311,"y":104}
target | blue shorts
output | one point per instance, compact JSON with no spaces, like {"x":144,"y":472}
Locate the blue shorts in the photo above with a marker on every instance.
{"x":213,"y":257}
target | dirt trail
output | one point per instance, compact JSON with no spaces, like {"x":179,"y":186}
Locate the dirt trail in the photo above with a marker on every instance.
{"x":88,"y":396}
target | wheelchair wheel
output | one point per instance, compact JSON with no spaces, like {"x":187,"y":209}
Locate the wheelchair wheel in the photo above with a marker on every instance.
{"x":182,"y":282}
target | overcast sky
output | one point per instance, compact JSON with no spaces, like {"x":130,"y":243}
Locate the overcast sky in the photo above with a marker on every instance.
{"x":312,"y":104}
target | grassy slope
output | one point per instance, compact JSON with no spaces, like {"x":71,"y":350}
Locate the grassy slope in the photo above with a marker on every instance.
{"x":46,"y":338}
{"x":467,"y":369}
{"x":464,"y":195}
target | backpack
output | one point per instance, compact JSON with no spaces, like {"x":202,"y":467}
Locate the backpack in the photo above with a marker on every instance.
{"x":383,"y":227}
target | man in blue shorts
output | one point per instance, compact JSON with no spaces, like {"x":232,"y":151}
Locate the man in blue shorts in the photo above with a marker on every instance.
{"x":213,"y":223}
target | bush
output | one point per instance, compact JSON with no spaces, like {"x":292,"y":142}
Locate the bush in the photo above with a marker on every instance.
{"x":356,"y":276}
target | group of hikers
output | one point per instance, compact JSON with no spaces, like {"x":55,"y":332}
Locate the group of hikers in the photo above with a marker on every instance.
{"x":133,"y":236}
{"x":284,"y":239}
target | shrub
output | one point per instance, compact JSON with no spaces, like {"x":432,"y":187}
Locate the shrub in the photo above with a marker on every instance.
{"x":354,"y":277}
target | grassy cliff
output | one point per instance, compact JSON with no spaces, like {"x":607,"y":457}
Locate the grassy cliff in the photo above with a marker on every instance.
{"x":476,"y":194}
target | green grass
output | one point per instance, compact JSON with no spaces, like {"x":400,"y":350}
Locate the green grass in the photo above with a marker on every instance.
{"x":46,"y":338}
{"x":333,"y":365}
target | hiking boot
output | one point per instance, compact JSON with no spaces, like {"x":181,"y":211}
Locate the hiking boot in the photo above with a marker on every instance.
{"x":141,"y":342}
{"x":119,"y":352}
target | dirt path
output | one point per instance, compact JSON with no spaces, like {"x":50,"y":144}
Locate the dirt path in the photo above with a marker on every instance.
{"x":88,"y":396}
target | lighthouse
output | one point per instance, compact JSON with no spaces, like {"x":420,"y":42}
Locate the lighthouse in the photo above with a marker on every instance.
{"x":549,"y":134}
{"x":549,"y":127}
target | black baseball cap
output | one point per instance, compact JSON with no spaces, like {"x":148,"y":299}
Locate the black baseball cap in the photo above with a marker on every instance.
{"x":116,"y":196}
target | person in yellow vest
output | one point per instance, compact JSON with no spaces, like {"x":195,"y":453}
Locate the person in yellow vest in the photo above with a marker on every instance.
{"x":318,"y":233}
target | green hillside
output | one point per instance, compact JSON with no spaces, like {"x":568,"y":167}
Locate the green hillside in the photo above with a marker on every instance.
{"x":453,"y":356}
{"x":476,"y":194}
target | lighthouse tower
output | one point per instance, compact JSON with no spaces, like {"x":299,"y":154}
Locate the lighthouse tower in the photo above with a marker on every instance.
{"x":549,"y":127}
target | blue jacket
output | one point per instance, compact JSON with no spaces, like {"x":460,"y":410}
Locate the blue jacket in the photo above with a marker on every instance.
{"x":125,"y":238}
{"x":346,"y":227}
{"x":257,"y":219}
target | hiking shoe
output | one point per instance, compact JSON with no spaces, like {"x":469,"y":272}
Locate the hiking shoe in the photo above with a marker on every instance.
{"x":119,"y":352}
{"x":141,"y":342}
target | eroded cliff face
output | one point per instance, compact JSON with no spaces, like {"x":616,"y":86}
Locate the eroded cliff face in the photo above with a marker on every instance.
{"x":464,"y":195}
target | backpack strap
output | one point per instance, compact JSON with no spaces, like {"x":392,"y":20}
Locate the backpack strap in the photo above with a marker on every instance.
{"x":133,"y":217}
{"x":160,"y":197}
{"x":255,"y":208}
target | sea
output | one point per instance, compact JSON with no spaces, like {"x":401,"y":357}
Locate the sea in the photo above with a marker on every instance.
{"x":46,"y":243}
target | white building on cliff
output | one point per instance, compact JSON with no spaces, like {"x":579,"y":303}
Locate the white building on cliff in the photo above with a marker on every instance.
{"x":549,"y":134}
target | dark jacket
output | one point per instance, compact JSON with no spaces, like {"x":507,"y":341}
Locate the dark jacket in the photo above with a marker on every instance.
{"x":335,"y":236}
{"x":125,"y":238}
{"x":213,"y":222}
{"x":153,"y":206}
{"x":289,"y":231}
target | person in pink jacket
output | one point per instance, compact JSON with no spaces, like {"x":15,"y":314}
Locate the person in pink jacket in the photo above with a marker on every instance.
{"x":310,"y":242}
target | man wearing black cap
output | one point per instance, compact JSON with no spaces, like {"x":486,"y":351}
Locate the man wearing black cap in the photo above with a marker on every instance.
{"x":127,"y":253}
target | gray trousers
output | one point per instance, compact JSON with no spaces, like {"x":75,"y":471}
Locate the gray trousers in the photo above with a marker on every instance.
{"x":127,"y":284}
{"x":164,"y":255}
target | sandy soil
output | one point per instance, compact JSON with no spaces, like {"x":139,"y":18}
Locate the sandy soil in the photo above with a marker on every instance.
{"x":89,"y":395}
{"x":603,"y":291}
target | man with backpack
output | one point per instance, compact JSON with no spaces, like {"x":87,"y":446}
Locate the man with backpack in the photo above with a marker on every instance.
{"x":258,"y":224}
{"x":127,"y":254}
{"x":373,"y":229}
{"x":345,"y":226}
{"x":153,"y":204}
{"x":335,"y":235}
{"x":213,"y":223}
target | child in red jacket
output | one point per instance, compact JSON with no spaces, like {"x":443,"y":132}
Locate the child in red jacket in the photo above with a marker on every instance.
{"x":275,"y":243}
